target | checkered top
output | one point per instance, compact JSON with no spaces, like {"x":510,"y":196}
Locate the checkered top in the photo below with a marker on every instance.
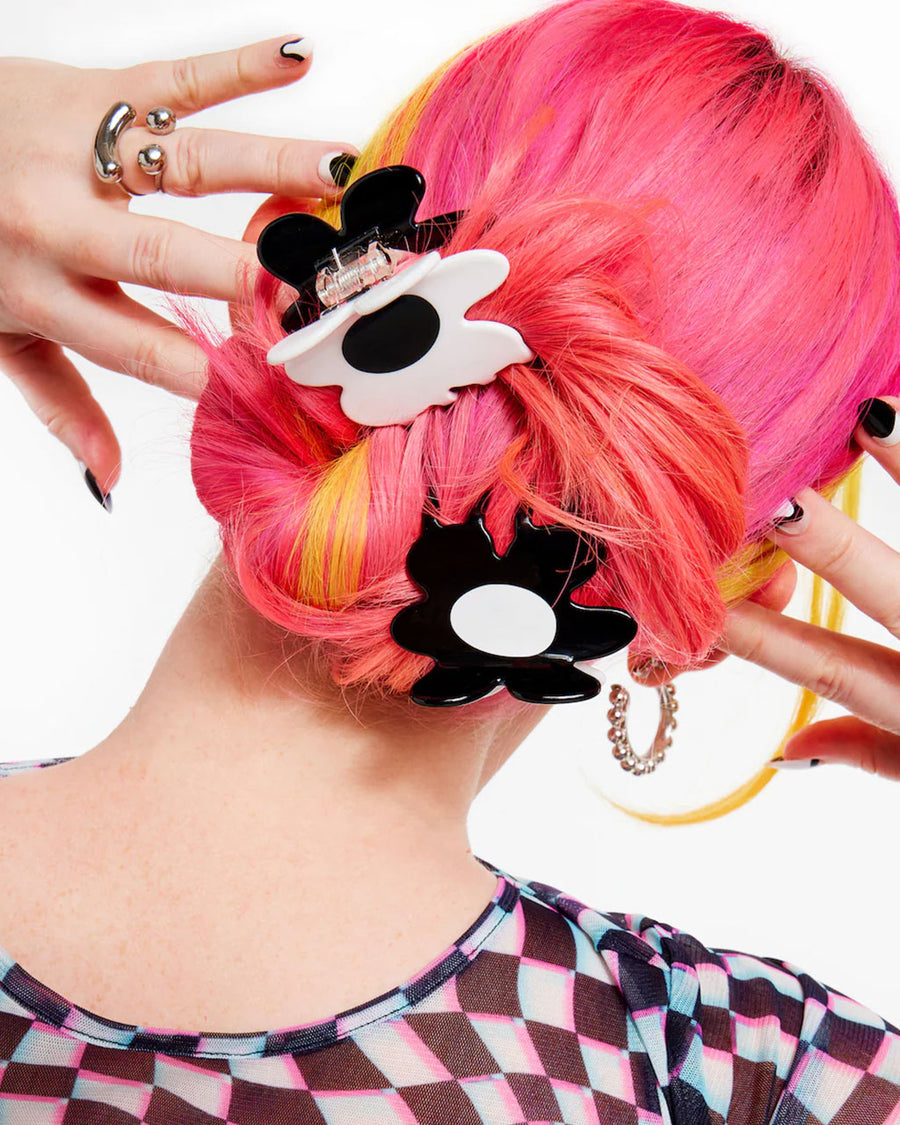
{"x":544,"y":1012}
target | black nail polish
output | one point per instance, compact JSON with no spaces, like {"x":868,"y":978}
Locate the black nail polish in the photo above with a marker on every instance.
{"x":297,"y":49}
{"x":102,"y":498}
{"x":794,"y":516}
{"x":877,"y":417}
{"x":342,"y":168}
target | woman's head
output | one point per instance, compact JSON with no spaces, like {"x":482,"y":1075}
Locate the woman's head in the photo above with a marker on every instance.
{"x":704,"y":258}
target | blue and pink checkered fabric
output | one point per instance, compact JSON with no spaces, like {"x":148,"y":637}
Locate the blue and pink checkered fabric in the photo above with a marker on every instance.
{"x":544,"y":1012}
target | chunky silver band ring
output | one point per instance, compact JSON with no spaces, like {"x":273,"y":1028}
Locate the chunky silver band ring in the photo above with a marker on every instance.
{"x":151,"y":158}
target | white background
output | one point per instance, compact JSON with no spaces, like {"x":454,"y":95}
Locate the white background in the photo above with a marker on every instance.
{"x":806,"y":872}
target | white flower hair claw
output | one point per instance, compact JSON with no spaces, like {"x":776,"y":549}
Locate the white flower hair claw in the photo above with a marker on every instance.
{"x":396,"y":341}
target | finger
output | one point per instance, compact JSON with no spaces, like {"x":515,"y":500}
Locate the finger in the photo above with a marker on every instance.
{"x":879,"y":432}
{"x":859,"y":675}
{"x":159,"y":253}
{"x":59,"y":396}
{"x":855,"y":562}
{"x":206,"y":161}
{"x":190,"y":84}
{"x":775,"y":594}
{"x":850,"y":741}
{"x":122,"y":335}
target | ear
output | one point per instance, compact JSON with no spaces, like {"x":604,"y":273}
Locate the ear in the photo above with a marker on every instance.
{"x":775,"y":594}
{"x":779,"y":590}
{"x":271,"y":208}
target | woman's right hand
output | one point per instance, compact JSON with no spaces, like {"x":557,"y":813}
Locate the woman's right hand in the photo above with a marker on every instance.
{"x":67,"y":239}
{"x":859,"y":675}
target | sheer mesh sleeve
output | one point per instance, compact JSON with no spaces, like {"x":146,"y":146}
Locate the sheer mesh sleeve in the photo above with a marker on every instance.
{"x":757,"y":1041}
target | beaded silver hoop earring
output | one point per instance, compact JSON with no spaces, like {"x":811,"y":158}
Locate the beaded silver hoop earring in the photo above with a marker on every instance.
{"x":623,"y":751}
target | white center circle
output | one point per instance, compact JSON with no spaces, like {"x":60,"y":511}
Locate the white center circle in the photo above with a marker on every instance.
{"x":504,"y":620}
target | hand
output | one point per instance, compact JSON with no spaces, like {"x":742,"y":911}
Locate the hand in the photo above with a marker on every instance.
{"x":67,"y":239}
{"x":861,"y":676}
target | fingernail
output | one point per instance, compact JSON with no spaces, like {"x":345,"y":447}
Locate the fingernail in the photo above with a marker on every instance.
{"x":795,"y":763}
{"x":104,"y":499}
{"x":296,"y":50}
{"x":335,"y":168}
{"x":790,"y":517}
{"x":879,"y":419}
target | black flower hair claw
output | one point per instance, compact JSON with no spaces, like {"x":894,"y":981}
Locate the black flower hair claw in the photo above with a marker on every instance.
{"x":490,"y":620}
{"x":379,"y":206}
{"x":392,"y":332}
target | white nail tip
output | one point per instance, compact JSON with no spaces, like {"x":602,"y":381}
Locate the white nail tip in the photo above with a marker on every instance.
{"x":794,"y":763}
{"x":893,"y":437}
{"x":325,"y":167}
{"x":297,"y":47}
{"x":790,"y":517}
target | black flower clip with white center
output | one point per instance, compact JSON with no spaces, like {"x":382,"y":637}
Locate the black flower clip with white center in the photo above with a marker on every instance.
{"x":391,"y":333}
{"x":490,"y":620}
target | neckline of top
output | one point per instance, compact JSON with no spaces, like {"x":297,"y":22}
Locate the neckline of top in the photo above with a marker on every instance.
{"x":51,"y":1008}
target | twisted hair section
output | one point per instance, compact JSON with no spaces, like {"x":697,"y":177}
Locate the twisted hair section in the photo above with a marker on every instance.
{"x":703,"y":255}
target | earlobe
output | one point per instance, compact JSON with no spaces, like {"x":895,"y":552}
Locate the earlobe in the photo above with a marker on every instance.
{"x":779,"y":590}
{"x":649,"y":672}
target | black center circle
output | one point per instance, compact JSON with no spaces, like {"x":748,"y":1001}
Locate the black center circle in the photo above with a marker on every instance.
{"x":394,"y":337}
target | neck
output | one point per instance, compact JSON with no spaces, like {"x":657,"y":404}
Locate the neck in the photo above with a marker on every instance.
{"x":236,"y":736}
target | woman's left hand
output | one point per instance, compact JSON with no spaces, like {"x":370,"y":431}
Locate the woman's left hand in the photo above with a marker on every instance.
{"x":67,"y":239}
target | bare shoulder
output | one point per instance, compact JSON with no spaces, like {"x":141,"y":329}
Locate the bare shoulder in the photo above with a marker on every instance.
{"x":41,"y":828}
{"x":24,"y":811}
{"x":44,"y":811}
{"x":101,"y":909}
{"x":67,"y":883}
{"x":139,"y":909}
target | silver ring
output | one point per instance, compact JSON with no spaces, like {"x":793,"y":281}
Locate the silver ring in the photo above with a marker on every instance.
{"x":106,"y":141}
{"x":151,"y":159}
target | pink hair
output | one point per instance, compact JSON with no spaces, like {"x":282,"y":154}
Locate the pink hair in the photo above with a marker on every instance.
{"x":704,"y":257}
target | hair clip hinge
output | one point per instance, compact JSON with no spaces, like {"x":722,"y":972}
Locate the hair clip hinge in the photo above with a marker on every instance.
{"x":352,"y":273}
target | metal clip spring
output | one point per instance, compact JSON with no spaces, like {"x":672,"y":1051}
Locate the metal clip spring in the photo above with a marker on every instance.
{"x":353,"y":274}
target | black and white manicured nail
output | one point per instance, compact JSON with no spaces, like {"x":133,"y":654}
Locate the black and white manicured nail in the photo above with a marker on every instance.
{"x":790,"y":517}
{"x":794,"y":763}
{"x":297,"y":50}
{"x":335,"y":168}
{"x":879,"y":419}
{"x":104,"y":499}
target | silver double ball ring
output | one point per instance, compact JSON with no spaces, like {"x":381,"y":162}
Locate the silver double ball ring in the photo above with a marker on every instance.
{"x":151,"y":158}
